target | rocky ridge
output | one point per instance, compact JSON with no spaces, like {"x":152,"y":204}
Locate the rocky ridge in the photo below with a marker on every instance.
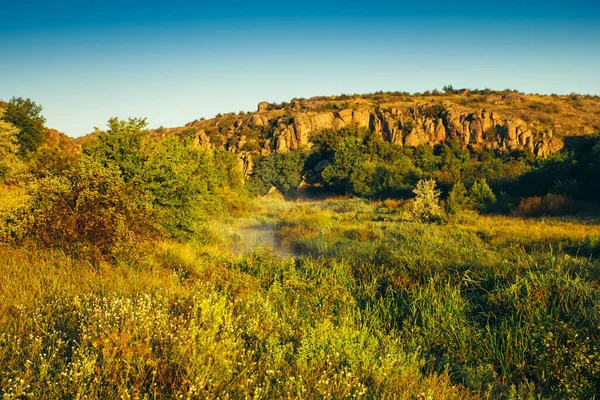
{"x":280,"y":130}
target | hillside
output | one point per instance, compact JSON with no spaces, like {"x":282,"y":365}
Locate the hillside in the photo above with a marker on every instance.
{"x":505,"y":120}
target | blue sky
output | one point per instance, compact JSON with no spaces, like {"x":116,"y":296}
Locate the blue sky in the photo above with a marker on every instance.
{"x":176,"y":61}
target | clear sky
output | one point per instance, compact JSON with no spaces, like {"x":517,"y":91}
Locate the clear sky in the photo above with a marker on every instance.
{"x":176,"y":61}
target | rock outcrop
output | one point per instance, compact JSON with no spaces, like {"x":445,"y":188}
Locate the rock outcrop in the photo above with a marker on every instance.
{"x":419,"y":124}
{"x":263,"y":106}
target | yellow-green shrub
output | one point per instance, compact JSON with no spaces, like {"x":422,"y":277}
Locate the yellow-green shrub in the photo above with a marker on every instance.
{"x":88,"y":210}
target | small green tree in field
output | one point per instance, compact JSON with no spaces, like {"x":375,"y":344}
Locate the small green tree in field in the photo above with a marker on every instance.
{"x":481,"y":196}
{"x":458,"y":199}
{"x":426,"y":205}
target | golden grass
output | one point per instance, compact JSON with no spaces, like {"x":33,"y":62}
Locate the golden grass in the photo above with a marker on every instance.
{"x":504,"y":229}
{"x":29,"y":274}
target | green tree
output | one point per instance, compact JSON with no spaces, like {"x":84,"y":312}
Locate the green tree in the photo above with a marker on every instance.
{"x":290,"y":166}
{"x":263,"y":176}
{"x":228,"y":169}
{"x":172,"y":177}
{"x":347,"y":156}
{"x":361,"y":179}
{"x":458,"y":199}
{"x":176,"y":178}
{"x":284,"y":171}
{"x":481,"y":196}
{"x":26,"y":115}
{"x":121,"y":145}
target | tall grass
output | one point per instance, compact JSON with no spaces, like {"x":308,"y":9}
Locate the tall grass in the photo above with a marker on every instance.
{"x":375,"y":308}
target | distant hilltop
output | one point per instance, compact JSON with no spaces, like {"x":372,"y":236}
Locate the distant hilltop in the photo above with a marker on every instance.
{"x":503,"y":120}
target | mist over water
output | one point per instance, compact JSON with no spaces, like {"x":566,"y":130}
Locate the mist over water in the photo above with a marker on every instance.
{"x":246,"y":240}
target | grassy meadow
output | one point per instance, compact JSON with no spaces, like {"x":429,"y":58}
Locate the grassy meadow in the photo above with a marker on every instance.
{"x":356,"y":302}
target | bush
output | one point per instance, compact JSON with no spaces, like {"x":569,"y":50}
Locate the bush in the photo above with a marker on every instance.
{"x":88,"y":211}
{"x":177,"y":180}
{"x":550,"y":204}
{"x":56,"y":154}
{"x":426,"y":205}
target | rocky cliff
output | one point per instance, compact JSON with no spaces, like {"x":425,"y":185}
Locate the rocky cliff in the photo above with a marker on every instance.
{"x":506,"y":123}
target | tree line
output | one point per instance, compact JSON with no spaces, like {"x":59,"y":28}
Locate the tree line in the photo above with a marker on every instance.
{"x":359,"y":163}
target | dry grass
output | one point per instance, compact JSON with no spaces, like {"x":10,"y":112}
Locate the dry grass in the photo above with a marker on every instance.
{"x":502,"y":229}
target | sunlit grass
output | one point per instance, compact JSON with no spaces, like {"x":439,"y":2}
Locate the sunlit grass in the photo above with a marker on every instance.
{"x":376,"y":307}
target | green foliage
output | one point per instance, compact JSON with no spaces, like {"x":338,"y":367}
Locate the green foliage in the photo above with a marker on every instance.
{"x":264,"y":175}
{"x":176,"y":178}
{"x":122,"y":146}
{"x":327,"y":141}
{"x":284,"y":171}
{"x":572,"y":172}
{"x":89,"y":210}
{"x":378,"y":179}
{"x":426,"y":204}
{"x":346,"y":159}
{"x":357,"y":162}
{"x":458,"y":199}
{"x":361,"y":164}
{"x":481,"y":196}
{"x":26,"y":116}
{"x":227,"y":170}
{"x":362,"y":179}
{"x":55,"y":155}
{"x":124,"y":190}
{"x":8,"y":148}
